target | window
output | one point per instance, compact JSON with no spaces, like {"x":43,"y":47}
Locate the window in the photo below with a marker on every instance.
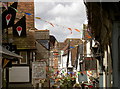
{"x":45,"y":43}
{"x":24,"y":55}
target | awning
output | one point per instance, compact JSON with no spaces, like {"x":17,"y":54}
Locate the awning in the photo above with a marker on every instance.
{"x":7,"y":54}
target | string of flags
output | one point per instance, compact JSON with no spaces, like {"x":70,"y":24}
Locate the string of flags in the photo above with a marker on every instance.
{"x":53,"y":25}
{"x":5,"y":6}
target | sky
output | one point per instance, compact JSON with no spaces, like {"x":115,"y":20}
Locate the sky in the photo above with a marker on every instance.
{"x":63,"y":15}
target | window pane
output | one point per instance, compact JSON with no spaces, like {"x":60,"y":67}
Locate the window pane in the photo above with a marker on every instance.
{"x":24,"y":55}
{"x":45,"y":43}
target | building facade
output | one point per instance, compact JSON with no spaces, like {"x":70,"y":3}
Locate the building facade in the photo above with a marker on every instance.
{"x":103,"y":22}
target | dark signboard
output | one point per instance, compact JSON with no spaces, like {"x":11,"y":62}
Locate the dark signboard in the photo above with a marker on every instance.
{"x":90,"y":63}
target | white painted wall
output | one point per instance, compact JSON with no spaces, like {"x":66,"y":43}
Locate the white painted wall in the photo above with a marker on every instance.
{"x":70,"y":60}
{"x":88,"y":49}
{"x":60,"y":62}
{"x":19,"y":74}
{"x":64,"y":61}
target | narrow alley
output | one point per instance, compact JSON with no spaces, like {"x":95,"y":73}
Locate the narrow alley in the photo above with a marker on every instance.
{"x":59,"y":44}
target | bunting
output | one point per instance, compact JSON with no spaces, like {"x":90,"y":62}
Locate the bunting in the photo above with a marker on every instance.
{"x":77,"y":30}
{"x":70,"y":30}
{"x":72,"y":47}
{"x":53,"y":25}
{"x":37,"y":17}
{"x":5,"y":62}
{"x":5,"y":6}
{"x":14,"y":8}
{"x":89,"y":32}
{"x":28,"y":13}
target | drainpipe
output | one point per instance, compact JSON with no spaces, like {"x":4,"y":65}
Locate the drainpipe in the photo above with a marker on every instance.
{"x":105,"y":72}
{"x":109,"y":66}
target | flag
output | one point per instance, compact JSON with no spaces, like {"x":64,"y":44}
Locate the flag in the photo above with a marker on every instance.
{"x":5,"y":6}
{"x":28,"y":13}
{"x":14,"y":9}
{"x":8,"y":16}
{"x":5,"y":62}
{"x":72,"y":47}
{"x":51,"y":24}
{"x":77,"y":30}
{"x":89,"y":37}
{"x":37,"y":17}
{"x":70,"y":30}
{"x":19,"y":29}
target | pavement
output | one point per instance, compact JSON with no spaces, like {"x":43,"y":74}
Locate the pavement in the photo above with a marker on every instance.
{"x":21,"y":86}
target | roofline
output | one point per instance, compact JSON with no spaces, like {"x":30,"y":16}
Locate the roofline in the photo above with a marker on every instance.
{"x":73,"y":39}
{"x":7,"y":53}
{"x":41,"y":30}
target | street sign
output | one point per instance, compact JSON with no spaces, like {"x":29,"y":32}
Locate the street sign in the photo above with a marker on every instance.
{"x":39,"y":70}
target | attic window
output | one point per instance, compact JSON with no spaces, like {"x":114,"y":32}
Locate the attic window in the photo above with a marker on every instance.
{"x":45,"y":43}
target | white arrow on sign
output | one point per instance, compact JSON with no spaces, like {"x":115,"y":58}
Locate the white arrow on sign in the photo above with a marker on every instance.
{"x":8,"y":17}
{"x":19,"y":30}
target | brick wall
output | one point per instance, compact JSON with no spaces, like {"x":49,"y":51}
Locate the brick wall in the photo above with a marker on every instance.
{"x":27,"y":7}
{"x":42,"y":34}
{"x":29,"y":41}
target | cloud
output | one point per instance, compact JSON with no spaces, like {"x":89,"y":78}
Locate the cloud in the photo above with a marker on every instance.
{"x":63,"y":15}
{"x":66,"y":10}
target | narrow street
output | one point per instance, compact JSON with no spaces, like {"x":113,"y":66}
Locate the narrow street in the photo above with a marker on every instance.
{"x":60,"y":44}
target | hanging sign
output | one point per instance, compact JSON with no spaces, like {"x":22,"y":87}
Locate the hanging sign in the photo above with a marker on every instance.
{"x":39,"y":70}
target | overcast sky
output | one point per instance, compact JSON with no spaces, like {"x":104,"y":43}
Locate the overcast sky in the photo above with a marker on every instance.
{"x":63,"y":15}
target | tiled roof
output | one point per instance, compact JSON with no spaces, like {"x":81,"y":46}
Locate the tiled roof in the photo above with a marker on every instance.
{"x":27,"y":42}
{"x":42,"y":34}
{"x":7,"y":54}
